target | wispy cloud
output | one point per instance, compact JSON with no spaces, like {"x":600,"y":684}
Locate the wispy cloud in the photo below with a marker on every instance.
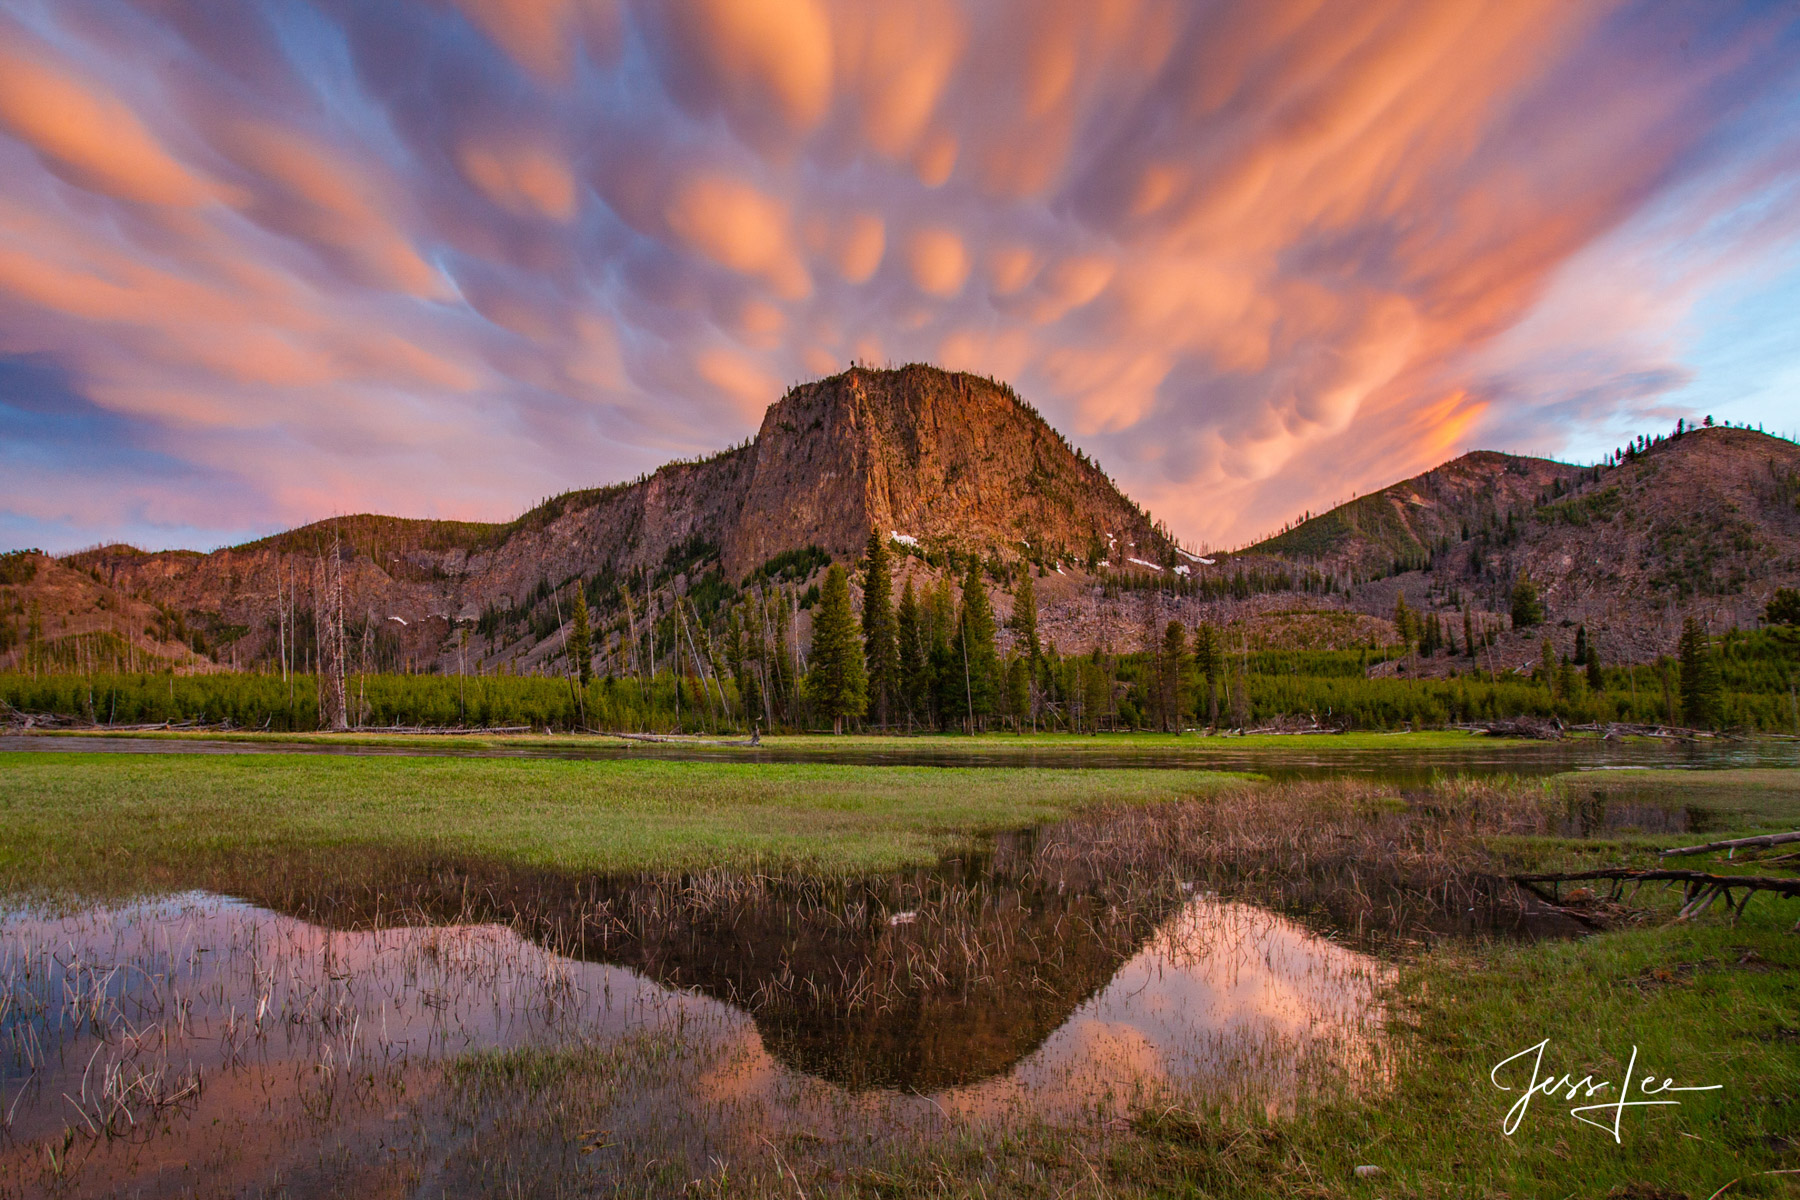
{"x":280,"y":260}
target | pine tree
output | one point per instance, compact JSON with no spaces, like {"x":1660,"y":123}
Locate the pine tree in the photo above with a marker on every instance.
{"x":943,"y":660}
{"x":1783,"y":607}
{"x":1468,"y":632}
{"x":1025,"y":631}
{"x":581,"y":642}
{"x":1209,"y":658}
{"x":1527,"y":609}
{"x":836,"y":682}
{"x":1018,"y":691}
{"x":1096,"y":690}
{"x":1546,"y":668}
{"x":1596,"y":681}
{"x":1699,"y":677}
{"x":1403,"y":621}
{"x":1172,"y":661}
{"x":914,"y":681}
{"x":1025,"y":619}
{"x":1430,"y":639}
{"x":1581,"y":646}
{"x":782,"y":667}
{"x":881,"y":651}
{"x":979,"y":649}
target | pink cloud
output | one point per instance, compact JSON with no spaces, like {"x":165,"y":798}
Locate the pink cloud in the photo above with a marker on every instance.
{"x":1253,"y":259}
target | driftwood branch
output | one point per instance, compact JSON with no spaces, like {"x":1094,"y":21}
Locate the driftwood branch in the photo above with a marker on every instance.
{"x":1700,"y":888}
{"x":1735,"y":844}
{"x":1786,"y":885}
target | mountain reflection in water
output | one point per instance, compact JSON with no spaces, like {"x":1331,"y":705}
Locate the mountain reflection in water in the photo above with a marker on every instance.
{"x":146,"y":1024}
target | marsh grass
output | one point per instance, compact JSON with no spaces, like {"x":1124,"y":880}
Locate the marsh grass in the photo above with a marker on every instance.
{"x":115,"y":824}
{"x":882,"y":996}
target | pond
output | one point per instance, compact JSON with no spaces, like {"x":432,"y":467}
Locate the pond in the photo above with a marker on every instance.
{"x":366,"y":1020}
{"x":199,"y":1037}
{"x":1314,"y":758}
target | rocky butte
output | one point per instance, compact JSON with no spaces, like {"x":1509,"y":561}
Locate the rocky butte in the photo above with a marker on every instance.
{"x":1704,"y":522}
{"x":943,"y":461}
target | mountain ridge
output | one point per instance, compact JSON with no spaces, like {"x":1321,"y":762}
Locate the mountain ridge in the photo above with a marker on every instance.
{"x":953,"y":466}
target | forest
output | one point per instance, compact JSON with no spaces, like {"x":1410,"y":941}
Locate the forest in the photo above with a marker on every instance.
{"x":932,"y":661}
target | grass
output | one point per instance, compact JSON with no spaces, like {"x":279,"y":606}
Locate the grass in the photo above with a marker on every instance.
{"x":73,"y":820}
{"x":1751,"y":800}
{"x":1708,"y":1002}
{"x":924,"y":743}
{"x":1703,"y":1003}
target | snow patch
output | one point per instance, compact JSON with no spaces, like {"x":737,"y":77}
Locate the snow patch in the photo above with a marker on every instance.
{"x":905,"y":539}
{"x":1181,"y":569}
{"x":1140,"y":562}
{"x":1207,"y":562}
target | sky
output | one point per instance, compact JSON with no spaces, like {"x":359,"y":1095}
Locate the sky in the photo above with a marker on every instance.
{"x":266,"y":262}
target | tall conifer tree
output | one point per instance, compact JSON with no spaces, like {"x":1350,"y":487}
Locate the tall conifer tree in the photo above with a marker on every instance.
{"x":1172,"y":682}
{"x":881,"y":651}
{"x":1025,"y":632}
{"x":909,"y":630}
{"x":943,"y":661}
{"x":1025,"y":619}
{"x":1209,"y":657}
{"x":1699,"y":677}
{"x":835,"y":679}
{"x":979,"y":649}
{"x":581,"y":641}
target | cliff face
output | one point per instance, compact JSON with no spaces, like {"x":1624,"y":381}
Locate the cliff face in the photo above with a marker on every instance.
{"x":949,"y":460}
{"x":1706,"y":523}
{"x":935,"y":456}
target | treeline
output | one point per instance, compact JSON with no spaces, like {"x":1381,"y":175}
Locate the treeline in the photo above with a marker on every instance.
{"x":931,"y":660}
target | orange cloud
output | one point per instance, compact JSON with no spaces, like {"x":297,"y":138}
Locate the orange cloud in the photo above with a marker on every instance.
{"x":525,"y":179}
{"x":736,"y":226}
{"x":320,"y":198}
{"x":88,"y":136}
{"x":768,"y":63}
{"x":541,"y":35}
{"x":939,"y":262}
{"x":748,"y":387}
{"x":1245,"y":253}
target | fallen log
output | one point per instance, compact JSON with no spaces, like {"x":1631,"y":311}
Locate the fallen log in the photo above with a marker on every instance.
{"x":1700,"y":888}
{"x":442,"y":730}
{"x":1524,"y":727}
{"x":1735,"y":844}
{"x":674,"y":739}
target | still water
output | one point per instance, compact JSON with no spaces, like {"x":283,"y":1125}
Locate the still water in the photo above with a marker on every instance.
{"x":202,"y":1039}
{"x":1314,"y":759}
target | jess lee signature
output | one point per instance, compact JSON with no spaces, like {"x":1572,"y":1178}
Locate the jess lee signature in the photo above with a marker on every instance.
{"x":1586,"y":1088}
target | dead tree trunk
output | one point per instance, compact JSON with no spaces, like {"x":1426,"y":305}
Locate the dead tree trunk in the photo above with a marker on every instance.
{"x":328,"y":621}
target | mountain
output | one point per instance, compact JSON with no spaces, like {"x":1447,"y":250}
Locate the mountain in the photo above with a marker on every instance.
{"x":948,"y":465}
{"x":1410,"y":521}
{"x":944,"y":462}
{"x":1703,"y":522}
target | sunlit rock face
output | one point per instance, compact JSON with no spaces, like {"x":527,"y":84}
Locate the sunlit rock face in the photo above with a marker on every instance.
{"x":945,"y":459}
{"x":932,"y":455}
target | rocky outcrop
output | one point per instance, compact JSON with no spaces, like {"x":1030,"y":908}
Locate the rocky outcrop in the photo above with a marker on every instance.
{"x":949,"y":461}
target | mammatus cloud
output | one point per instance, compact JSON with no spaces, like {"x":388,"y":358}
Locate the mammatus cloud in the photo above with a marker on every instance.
{"x":274,"y":261}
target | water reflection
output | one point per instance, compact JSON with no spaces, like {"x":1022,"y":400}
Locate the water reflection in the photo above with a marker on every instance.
{"x":205,"y":1034}
{"x":1316,"y":759}
{"x":1596,"y":812}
